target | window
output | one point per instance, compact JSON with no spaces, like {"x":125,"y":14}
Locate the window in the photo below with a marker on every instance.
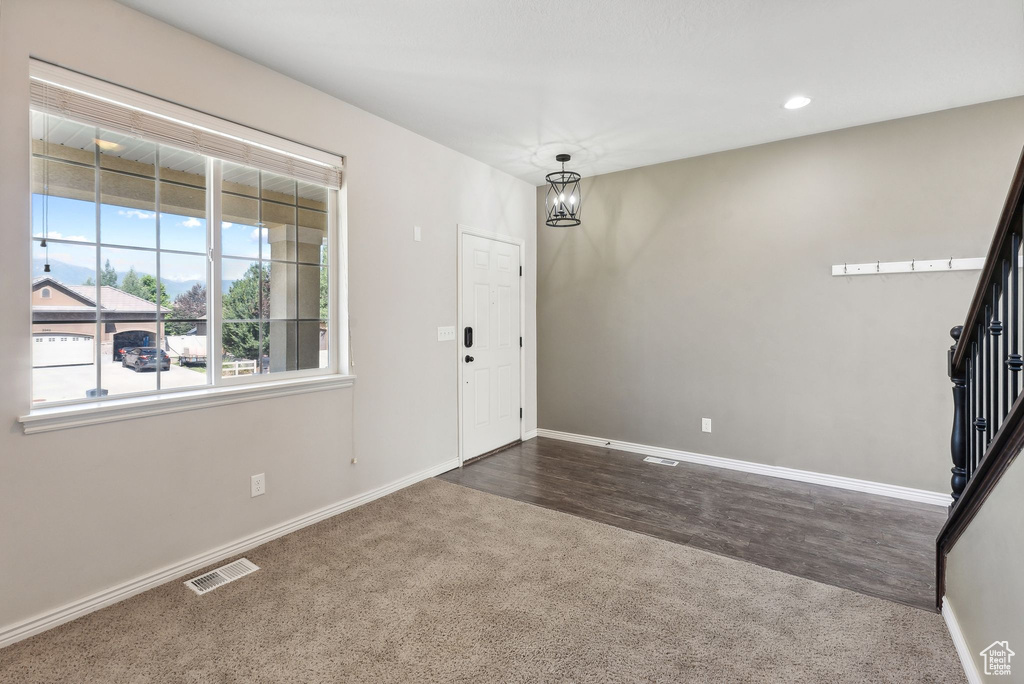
{"x":179,"y":266}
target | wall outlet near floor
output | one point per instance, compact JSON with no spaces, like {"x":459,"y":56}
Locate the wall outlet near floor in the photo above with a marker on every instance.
{"x":445,"y":333}
{"x":258,"y":484}
{"x":705,"y":425}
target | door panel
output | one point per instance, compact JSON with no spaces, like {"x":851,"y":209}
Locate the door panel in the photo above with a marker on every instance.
{"x":481,"y":321}
{"x":491,"y":366}
{"x":505,"y":316}
{"x":482,"y":395}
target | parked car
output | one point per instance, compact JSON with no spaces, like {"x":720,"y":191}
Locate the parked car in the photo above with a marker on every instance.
{"x":145,"y":358}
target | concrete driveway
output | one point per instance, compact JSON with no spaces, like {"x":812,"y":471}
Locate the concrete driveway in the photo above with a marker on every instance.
{"x":71,"y":382}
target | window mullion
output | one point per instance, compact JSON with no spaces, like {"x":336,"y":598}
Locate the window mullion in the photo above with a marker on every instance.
{"x":100,"y":323}
{"x":337,"y":310}
{"x":214,"y":172}
{"x":159,"y":281}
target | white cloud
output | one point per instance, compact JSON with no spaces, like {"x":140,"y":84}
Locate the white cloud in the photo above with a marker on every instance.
{"x":135,"y":213}
{"x":186,"y":276}
{"x":255,"y":235}
{"x":54,"y":235}
{"x":192,"y":223}
{"x":226,"y":224}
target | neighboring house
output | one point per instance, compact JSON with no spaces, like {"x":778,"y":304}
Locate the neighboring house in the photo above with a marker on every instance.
{"x":64,"y":322}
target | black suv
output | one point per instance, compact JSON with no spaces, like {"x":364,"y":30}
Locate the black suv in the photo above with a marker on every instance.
{"x":143,"y":358}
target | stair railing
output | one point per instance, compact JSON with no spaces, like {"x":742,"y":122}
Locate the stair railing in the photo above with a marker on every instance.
{"x":985,"y":366}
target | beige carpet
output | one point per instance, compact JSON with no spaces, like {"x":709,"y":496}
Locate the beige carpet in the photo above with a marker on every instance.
{"x":440,"y":583}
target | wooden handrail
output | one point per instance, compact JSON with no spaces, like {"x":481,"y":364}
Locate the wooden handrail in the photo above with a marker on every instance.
{"x":1010,"y":207}
{"x":986,"y":367}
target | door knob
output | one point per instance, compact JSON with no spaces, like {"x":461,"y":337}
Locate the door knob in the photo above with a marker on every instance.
{"x":469,"y":359}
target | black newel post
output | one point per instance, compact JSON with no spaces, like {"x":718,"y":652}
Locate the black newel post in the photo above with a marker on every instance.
{"x":958,"y":440}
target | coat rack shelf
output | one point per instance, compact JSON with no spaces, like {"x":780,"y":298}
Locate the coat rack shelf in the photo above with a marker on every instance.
{"x":912,"y":266}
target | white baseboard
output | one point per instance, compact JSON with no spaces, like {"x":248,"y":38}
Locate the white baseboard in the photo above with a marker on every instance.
{"x":895,"y":491}
{"x":529,"y":434}
{"x":962,"y":649}
{"x":21,"y":630}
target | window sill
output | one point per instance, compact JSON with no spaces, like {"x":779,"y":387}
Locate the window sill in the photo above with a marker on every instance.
{"x":93,"y":413}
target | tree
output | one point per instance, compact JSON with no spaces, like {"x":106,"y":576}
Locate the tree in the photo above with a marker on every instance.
{"x":248,"y":301}
{"x":324,"y":285}
{"x":89,"y":281}
{"x":147,"y":290}
{"x":108,"y":276}
{"x":131,"y":283}
{"x":189,"y":305}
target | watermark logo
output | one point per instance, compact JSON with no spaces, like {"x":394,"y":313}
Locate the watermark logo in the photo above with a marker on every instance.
{"x":997,"y":658}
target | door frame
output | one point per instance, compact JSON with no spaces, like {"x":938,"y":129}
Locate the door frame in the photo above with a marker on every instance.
{"x":467,"y":230}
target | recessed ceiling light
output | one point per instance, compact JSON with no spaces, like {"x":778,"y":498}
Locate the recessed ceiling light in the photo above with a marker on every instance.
{"x":797,"y":102}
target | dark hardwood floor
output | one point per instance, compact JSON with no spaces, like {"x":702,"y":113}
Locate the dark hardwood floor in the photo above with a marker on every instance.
{"x":876,"y":545}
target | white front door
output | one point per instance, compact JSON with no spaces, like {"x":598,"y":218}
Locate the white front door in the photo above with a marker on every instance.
{"x":489,"y":344}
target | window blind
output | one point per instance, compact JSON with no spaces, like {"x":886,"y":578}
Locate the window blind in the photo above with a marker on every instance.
{"x":73,"y":104}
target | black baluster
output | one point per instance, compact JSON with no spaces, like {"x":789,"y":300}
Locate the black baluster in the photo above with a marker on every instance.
{"x":972,"y":441}
{"x":958,"y":438}
{"x":991,"y":424}
{"x":1014,"y":361}
{"x":1005,"y":356}
{"x":974,"y":402}
{"x":980,"y":424}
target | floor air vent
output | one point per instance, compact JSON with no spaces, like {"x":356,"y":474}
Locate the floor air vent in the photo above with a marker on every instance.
{"x":221,"y":576}
{"x":661,"y":461}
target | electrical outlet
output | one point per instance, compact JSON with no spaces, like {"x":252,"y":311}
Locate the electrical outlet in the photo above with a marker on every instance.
{"x":445,"y":333}
{"x":258,"y":484}
{"x":705,"y":425}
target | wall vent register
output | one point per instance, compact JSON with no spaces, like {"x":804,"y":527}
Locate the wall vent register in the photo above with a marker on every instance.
{"x":221,"y":576}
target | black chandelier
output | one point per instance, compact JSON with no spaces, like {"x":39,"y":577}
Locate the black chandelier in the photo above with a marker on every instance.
{"x":563,"y":200}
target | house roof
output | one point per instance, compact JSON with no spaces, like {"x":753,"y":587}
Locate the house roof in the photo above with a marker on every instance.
{"x":111,"y":298}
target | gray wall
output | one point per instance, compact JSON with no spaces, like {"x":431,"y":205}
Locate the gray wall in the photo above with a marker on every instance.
{"x":984,"y":582}
{"x":84,"y":509}
{"x":703,"y":288}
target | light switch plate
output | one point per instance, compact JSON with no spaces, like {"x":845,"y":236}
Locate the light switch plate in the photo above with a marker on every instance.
{"x":417,"y":234}
{"x":445,"y":333}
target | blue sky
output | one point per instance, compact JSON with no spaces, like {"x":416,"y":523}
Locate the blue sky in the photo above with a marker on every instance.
{"x":71,"y":219}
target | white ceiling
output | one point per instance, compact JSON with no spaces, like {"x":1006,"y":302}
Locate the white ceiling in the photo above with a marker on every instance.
{"x":623,"y":83}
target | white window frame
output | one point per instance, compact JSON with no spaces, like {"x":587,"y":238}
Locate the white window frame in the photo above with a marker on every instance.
{"x":218,"y":390}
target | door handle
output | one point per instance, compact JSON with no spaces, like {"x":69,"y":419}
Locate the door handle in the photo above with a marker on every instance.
{"x":469,"y":359}
{"x":467,"y":337}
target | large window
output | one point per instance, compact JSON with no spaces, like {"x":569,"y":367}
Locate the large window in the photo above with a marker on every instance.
{"x":159,"y":267}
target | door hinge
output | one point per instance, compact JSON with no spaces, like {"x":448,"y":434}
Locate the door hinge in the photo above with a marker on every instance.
{"x":520,"y":271}
{"x":520,"y":412}
{"x":520,"y":341}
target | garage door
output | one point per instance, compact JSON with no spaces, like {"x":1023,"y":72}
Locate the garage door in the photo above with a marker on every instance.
{"x":57,"y":349}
